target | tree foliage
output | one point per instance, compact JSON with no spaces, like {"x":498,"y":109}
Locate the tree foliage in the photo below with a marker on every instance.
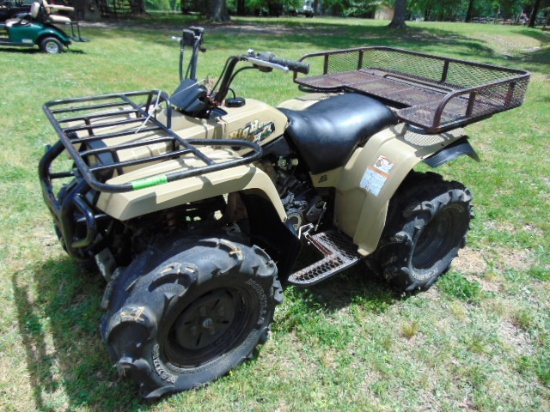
{"x":447,"y":10}
{"x":466,"y":10}
{"x":268,"y":7}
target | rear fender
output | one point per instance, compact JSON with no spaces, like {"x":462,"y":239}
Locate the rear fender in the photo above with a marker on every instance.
{"x":366,"y":184}
{"x":456,"y":149}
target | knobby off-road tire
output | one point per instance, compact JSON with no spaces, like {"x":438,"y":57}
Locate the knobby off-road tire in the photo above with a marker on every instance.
{"x":182,"y":316}
{"x":427,"y":222}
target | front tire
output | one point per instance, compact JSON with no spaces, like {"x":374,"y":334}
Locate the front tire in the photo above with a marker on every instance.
{"x":182,"y":316}
{"x":426,"y":226}
{"x":51,"y":45}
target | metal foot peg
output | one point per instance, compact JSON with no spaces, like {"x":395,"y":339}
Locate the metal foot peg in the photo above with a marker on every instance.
{"x":339,"y":253}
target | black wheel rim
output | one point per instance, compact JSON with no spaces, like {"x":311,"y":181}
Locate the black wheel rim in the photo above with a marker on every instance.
{"x":442,"y":234}
{"x":205,"y":321}
{"x":213,"y":324}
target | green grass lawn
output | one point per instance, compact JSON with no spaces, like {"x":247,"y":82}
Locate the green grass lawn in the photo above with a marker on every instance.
{"x":478,"y":340}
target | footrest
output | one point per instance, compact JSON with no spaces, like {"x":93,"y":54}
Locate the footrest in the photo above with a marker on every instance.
{"x":339,"y":253}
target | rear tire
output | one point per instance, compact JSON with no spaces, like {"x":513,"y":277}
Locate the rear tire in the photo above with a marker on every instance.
{"x":185,"y":314}
{"x":51,"y":45}
{"x":426,"y":226}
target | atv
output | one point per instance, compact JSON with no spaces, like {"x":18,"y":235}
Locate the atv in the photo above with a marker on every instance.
{"x":40,"y":28}
{"x":195,"y":206}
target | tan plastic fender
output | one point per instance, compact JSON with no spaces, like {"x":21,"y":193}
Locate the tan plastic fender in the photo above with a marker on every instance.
{"x":127,"y":205}
{"x":366,"y":184}
{"x":256,"y":121}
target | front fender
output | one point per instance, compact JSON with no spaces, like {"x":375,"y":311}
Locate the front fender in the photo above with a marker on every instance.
{"x":49,"y":30}
{"x":246,"y":178}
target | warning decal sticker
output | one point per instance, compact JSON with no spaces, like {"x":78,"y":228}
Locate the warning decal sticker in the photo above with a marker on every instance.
{"x":384,"y":164}
{"x":376,"y":175}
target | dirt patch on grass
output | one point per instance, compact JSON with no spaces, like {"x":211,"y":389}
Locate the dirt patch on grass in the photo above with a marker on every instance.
{"x":510,"y":45}
{"x":470,"y":261}
{"x":517,"y":259}
{"x":517,"y":340}
{"x":236,"y":28}
{"x":480,"y":265}
{"x":473,"y":261}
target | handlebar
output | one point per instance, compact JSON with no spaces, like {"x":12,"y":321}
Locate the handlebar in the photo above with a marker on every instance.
{"x":269,"y":60}
{"x":192,"y":37}
{"x":265,"y":61}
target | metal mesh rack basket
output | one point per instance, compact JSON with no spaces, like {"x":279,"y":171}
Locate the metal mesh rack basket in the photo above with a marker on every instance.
{"x":431,"y":92}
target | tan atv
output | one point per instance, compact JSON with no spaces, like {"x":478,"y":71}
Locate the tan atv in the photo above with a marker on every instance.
{"x":195,"y":206}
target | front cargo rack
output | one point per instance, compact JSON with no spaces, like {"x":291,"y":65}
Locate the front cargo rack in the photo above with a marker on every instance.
{"x":431,"y":92}
{"x":100,"y":131}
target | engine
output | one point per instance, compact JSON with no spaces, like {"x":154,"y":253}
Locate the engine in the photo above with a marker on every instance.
{"x":302,"y":203}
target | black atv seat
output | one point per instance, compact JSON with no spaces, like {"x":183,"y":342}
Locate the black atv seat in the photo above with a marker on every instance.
{"x":326,"y":133}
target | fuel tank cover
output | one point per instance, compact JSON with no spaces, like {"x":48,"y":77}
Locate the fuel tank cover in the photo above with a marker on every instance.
{"x":235,"y":102}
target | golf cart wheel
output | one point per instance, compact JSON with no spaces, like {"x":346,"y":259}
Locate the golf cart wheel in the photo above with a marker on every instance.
{"x":426,"y":226}
{"x":186,"y":313}
{"x":51,"y":45}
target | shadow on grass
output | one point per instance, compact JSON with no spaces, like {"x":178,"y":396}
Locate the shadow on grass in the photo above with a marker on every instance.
{"x":19,"y":50}
{"x":329,"y":314}
{"x":538,"y":60}
{"x":319,"y":35}
{"x":59,"y":313}
{"x":274,"y":35}
{"x":68,"y":366}
{"x":27,"y":50}
{"x":537,"y":35}
{"x":357,"y":285}
{"x":33,"y":337}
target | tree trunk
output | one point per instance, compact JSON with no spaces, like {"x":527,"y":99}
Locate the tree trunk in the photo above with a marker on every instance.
{"x":428,"y":12}
{"x":241,"y":7}
{"x":398,"y":21}
{"x":470,"y":12}
{"x":533,"y":19}
{"x":138,"y":7}
{"x":217,"y":10}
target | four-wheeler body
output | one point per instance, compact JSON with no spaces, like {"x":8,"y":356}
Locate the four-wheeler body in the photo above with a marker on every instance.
{"x":195,"y":206}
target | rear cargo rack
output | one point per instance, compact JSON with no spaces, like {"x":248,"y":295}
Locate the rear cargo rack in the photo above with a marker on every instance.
{"x":431,"y":92}
{"x":100,"y":131}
